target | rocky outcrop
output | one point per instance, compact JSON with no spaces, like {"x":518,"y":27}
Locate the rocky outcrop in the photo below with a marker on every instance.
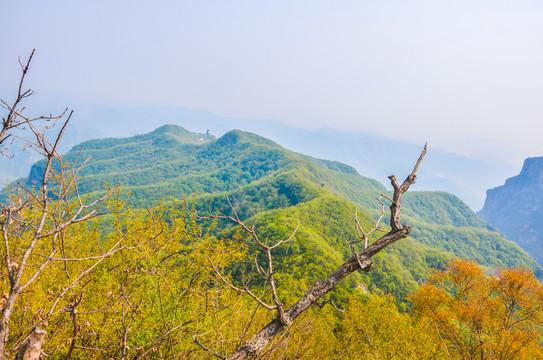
{"x":516,"y":208}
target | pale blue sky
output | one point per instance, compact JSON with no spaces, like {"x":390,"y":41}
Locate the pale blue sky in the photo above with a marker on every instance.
{"x":433,"y":70}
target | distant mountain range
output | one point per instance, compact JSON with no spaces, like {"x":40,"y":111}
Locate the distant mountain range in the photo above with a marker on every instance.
{"x":372,"y":155}
{"x":275,"y":187}
{"x":516,"y":208}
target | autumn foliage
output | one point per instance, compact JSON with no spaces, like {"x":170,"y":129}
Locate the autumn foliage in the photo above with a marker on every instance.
{"x":483,"y":317}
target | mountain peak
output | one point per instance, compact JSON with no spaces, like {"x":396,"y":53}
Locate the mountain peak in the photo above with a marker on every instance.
{"x":533,"y":169}
{"x":170,"y":128}
{"x":181,"y":134}
{"x":238,"y":137}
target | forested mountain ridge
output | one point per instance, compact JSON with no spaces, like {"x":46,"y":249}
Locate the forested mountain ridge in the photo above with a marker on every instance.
{"x":274,"y":188}
{"x":151,"y":166}
{"x":516,"y":208}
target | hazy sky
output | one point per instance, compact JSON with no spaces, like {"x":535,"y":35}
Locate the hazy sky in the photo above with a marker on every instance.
{"x":415,"y":70}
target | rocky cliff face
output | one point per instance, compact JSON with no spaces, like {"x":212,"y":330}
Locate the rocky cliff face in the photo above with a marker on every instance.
{"x":516,"y":208}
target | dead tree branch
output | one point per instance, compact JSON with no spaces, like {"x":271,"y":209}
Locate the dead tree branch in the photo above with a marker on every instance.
{"x":331,"y":302}
{"x":195,"y":339}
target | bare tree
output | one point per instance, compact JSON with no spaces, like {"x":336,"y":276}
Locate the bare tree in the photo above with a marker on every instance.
{"x":33,"y":221}
{"x":361,"y":259}
{"x":14,"y":123}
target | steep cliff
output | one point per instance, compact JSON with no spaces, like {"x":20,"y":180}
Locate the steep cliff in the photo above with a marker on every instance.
{"x":516,"y":208}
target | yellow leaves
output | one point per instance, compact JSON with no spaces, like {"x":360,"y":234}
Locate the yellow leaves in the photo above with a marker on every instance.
{"x":156,"y":279}
{"x":375,"y":329}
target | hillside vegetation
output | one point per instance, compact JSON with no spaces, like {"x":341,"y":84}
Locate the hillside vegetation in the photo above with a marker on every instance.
{"x":143,"y":280}
{"x":275,"y":188}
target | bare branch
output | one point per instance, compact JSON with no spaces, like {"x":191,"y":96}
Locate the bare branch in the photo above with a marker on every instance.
{"x":260,"y":269}
{"x":163,"y":337}
{"x":287,"y":239}
{"x":245,"y":290}
{"x":10,"y":121}
{"x":395,"y":207}
{"x":331,"y":302}
{"x":362,"y":235}
{"x":195,"y":339}
{"x":72,"y":309}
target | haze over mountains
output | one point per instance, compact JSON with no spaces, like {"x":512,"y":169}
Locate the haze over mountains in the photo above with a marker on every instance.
{"x":374,"y":155}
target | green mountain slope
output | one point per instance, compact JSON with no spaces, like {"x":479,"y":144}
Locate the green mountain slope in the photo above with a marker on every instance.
{"x":320,"y":246}
{"x":275,"y":188}
{"x":170,"y":162}
{"x":441,"y":208}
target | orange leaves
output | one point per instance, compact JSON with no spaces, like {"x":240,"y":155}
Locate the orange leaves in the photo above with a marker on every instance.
{"x":483,"y":316}
{"x":521,"y":293}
